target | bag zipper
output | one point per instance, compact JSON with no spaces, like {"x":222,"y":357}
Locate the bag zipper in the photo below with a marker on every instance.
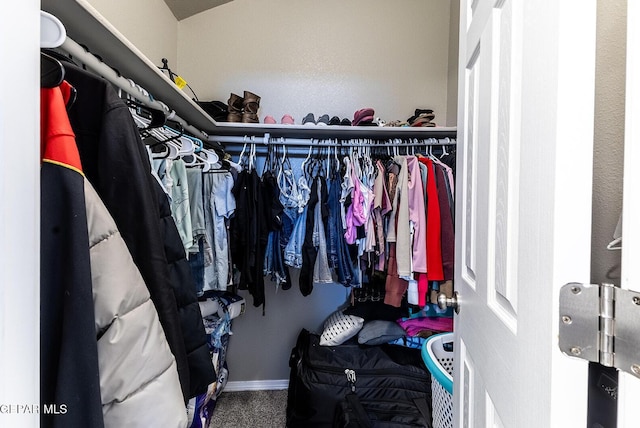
{"x":377,"y":372}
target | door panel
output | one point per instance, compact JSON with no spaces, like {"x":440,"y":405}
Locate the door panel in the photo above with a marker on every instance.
{"x":629,"y":386}
{"x":503,"y":168}
{"x":523,"y":218}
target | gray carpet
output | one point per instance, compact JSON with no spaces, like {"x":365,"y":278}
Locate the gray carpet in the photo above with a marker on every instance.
{"x":255,"y":409}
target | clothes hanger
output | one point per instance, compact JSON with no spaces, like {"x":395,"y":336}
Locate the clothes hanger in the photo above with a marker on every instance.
{"x":52,"y":31}
{"x":268,"y":161}
{"x":52,"y":35}
{"x":244,"y":148}
{"x":252,"y":154}
{"x":304,"y":162}
{"x":616,"y":244}
{"x":51,"y":71}
{"x":444,"y":148}
{"x":202,"y":159}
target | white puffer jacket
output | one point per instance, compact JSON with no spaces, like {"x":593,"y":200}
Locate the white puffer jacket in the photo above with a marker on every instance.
{"x":138,"y":376}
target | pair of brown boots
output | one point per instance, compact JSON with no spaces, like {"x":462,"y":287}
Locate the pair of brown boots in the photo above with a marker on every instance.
{"x":245,"y":109}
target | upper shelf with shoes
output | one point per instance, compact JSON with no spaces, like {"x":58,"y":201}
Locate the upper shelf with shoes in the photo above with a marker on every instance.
{"x":87,"y":27}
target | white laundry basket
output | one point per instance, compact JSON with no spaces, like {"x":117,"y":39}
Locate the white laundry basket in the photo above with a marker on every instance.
{"x":440,"y":364}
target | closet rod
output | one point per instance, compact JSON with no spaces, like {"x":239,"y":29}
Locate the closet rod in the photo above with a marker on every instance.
{"x":97,"y":66}
{"x":335,"y":142}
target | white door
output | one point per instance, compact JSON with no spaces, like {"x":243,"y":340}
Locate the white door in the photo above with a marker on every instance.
{"x":523,"y":211}
{"x":628,"y":385}
{"x":20,"y":215}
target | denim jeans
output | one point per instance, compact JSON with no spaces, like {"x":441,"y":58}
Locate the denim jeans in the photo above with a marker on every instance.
{"x":337,"y":245}
{"x":196,"y":261}
{"x":293,"y":250}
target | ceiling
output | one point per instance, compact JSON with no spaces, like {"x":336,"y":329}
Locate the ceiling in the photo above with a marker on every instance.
{"x":185,"y":8}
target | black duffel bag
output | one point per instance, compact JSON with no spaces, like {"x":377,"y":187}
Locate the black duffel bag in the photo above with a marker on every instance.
{"x":322,"y":376}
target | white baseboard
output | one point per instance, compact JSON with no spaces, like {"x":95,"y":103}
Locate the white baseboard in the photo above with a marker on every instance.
{"x":257,"y":385}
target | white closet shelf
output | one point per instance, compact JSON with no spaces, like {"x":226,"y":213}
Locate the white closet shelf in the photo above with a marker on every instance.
{"x":85,"y":25}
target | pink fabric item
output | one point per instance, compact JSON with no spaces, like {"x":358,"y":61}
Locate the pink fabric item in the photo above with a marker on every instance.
{"x":417,"y":216}
{"x":359,"y":212}
{"x":350,"y":233}
{"x":413,"y":326}
{"x":270,"y":120}
{"x":423,"y":289}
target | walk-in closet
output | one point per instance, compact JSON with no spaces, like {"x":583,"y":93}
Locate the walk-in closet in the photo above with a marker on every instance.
{"x":370,"y":207}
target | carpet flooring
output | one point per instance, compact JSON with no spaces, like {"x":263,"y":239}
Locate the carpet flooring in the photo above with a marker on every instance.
{"x":254,"y":409}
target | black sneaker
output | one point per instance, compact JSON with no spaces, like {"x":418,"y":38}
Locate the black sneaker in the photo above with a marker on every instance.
{"x":335,"y":120}
{"x":309,"y":119}
{"x":323,"y":120}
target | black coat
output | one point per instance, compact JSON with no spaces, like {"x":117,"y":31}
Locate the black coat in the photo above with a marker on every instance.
{"x":115,"y":161}
{"x":200,"y":365}
{"x":68,"y":348}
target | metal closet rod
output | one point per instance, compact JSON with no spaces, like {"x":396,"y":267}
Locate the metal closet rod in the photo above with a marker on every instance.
{"x":334,"y":142}
{"x":127,"y":85}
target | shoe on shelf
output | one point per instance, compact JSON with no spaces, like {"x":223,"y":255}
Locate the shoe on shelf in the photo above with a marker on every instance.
{"x":345,"y":122}
{"x":363,"y":117}
{"x":323,"y":120}
{"x":251,"y":102}
{"x":335,"y":120}
{"x":248,"y":117}
{"x":424,"y":112}
{"x":423,"y":119}
{"x":287,"y":119}
{"x":234,"y":108}
{"x":309,"y":119}
{"x":269,"y":119}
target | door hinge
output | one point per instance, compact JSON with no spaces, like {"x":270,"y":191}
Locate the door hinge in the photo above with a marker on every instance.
{"x":601,"y":323}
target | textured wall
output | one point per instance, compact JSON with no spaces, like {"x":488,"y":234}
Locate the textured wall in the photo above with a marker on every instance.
{"x":330,"y":57}
{"x":452,"y":72}
{"x":609,"y":137}
{"x":148,"y":24}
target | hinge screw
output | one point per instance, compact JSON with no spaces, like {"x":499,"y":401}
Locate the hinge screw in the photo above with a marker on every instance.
{"x":635,"y":369}
{"x":636,"y":300}
{"x":566,"y":319}
{"x":577,"y":351}
{"x":576,"y":290}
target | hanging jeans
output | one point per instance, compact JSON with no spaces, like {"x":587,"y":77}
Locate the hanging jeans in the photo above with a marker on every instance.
{"x":293,"y":249}
{"x":274,"y":262}
{"x":321,"y":270}
{"x":196,"y":261}
{"x":337,"y":249}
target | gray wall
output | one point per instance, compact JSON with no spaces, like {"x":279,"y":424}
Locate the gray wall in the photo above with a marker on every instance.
{"x":608,"y":137}
{"x":260,"y":346}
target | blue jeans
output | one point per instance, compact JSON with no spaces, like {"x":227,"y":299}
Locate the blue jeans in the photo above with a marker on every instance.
{"x":196,"y":261}
{"x":336,"y":243}
{"x":293,"y":250}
